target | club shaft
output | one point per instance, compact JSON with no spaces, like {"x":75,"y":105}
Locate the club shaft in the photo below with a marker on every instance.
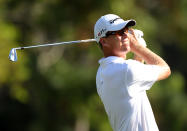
{"x":60,"y":43}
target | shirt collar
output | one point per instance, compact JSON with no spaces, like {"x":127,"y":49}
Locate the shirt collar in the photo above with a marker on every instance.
{"x":110,"y":59}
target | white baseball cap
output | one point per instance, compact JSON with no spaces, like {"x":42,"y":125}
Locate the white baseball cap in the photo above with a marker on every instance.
{"x":110,"y":22}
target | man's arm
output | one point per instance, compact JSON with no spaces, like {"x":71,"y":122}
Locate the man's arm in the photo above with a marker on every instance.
{"x":149,"y":57}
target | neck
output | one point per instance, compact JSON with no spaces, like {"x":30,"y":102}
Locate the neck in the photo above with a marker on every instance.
{"x":122,"y":55}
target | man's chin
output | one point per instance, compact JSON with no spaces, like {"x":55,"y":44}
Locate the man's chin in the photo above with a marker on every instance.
{"x":126,"y":49}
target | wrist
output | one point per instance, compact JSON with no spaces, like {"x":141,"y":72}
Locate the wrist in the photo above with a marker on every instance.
{"x":136,"y":48}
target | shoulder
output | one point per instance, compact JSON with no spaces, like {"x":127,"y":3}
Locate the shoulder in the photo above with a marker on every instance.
{"x":112,"y":67}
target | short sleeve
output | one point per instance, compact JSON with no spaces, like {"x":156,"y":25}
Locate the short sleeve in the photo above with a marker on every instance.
{"x":140,"y":77}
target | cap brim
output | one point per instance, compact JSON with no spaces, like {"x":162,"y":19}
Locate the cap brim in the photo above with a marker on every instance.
{"x":122,"y":25}
{"x":131,"y":23}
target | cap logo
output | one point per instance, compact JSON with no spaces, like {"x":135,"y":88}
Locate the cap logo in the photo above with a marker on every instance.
{"x":101,"y":32}
{"x":112,"y":21}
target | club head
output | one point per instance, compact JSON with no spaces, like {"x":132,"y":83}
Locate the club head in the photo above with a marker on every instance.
{"x":13,"y":55}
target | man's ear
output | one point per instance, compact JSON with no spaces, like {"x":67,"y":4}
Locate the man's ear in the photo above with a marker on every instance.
{"x":103,"y":42}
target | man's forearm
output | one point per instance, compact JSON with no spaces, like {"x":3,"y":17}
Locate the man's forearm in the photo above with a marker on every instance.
{"x":147,"y":55}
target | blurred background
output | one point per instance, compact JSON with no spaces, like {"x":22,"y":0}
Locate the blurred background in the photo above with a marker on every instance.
{"x":54,"y":89}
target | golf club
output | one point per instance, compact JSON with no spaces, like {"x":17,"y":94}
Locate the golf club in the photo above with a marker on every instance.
{"x":13,"y":54}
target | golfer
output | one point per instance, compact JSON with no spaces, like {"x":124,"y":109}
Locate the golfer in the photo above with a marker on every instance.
{"x":121,"y":83}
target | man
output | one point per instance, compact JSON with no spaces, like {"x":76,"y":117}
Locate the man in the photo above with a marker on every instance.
{"x":121,"y":83}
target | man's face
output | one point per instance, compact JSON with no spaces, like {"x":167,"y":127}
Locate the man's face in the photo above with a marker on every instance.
{"x":117,"y":42}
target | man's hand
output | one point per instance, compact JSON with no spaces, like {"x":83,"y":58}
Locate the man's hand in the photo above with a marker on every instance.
{"x":137,"y":34}
{"x":135,"y":37}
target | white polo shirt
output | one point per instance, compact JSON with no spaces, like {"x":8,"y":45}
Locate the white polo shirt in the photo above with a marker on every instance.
{"x":122,"y":85}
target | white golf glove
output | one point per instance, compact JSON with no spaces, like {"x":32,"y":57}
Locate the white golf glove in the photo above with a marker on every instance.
{"x":139,"y":37}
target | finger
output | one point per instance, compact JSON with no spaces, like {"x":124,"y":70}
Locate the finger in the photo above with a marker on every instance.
{"x":131,"y":33}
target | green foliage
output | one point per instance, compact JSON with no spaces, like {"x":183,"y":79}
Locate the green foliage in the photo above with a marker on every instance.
{"x":54,"y":88}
